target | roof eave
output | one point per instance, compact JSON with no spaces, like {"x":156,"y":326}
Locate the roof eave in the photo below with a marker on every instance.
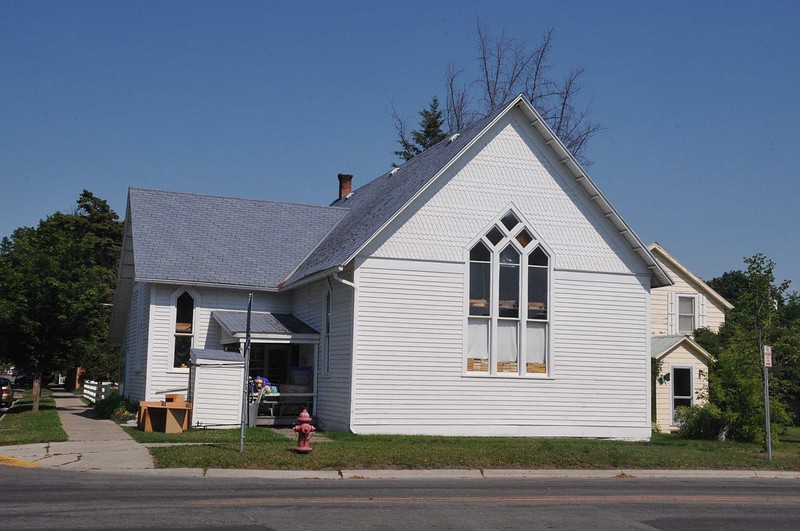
{"x":311,"y":278}
{"x":659,"y":277}
{"x":657,"y":249}
{"x":279,"y":338}
{"x":200,"y":284}
{"x":430,"y":182}
{"x":688,"y":340}
{"x":657,"y":273}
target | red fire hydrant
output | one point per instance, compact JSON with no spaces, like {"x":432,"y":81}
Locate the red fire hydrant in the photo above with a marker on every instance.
{"x":304,"y":430}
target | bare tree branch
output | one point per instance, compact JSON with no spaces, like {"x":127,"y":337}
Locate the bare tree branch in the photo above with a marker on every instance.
{"x":457,"y":100}
{"x":506,"y":68}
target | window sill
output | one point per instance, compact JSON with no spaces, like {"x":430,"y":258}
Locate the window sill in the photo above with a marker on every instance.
{"x":507,"y":376}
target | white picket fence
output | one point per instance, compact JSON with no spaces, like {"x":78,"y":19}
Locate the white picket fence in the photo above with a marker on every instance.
{"x":94,"y":391}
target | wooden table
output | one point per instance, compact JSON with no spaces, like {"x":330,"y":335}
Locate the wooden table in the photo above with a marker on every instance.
{"x":283,"y":408}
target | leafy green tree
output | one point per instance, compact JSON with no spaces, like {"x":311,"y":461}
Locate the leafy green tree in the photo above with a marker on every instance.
{"x":429,"y":134}
{"x":736,"y":375}
{"x":56,"y":282}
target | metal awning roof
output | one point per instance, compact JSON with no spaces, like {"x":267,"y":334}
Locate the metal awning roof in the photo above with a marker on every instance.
{"x":264,"y":325}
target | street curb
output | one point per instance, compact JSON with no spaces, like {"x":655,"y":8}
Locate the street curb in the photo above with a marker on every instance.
{"x":466,"y":473}
{"x":273,"y":474}
{"x":13,"y":461}
{"x":443,"y":474}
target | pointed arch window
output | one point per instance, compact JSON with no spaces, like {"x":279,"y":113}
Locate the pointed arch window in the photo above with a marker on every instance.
{"x":509,"y":287}
{"x":184,"y":330}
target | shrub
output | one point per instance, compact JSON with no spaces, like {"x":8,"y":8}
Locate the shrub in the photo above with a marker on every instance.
{"x":705,"y":421}
{"x":115,"y":407}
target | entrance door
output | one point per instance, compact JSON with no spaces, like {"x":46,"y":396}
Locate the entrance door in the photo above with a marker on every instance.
{"x":682,"y":389}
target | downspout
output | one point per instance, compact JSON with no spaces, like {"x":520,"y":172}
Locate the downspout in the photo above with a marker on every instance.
{"x":354,"y":331}
{"x":337,"y":278}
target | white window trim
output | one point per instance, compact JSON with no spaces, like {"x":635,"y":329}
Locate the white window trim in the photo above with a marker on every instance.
{"x":494,"y":295}
{"x":695,"y":308}
{"x":325,"y":336}
{"x":173,"y":315}
{"x":672,"y":389}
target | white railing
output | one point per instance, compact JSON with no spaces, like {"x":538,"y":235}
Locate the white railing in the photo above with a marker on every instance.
{"x":94,"y":391}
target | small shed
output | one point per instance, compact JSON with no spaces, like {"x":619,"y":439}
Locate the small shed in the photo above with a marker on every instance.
{"x":215,"y":388}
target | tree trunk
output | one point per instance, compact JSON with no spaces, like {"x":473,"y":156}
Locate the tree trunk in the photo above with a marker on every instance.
{"x":37,"y":390}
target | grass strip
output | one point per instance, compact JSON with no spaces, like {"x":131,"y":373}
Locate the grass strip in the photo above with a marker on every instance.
{"x":23,"y":426}
{"x":195,"y":435}
{"x":347,"y":451}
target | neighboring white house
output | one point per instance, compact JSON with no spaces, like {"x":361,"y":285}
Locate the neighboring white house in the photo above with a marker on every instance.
{"x":485,"y":287}
{"x":675,"y":313}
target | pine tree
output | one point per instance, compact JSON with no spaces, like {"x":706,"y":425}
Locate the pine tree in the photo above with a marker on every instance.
{"x":429,"y":134}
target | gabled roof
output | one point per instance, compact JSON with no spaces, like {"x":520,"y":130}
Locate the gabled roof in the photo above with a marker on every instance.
{"x":373,"y":206}
{"x":222,"y":241}
{"x":661,"y":254}
{"x":190,"y":239}
{"x":660,"y":346}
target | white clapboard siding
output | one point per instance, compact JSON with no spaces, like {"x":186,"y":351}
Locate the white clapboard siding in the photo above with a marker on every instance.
{"x":135,"y":344}
{"x":410,"y":379}
{"x":512,"y":167}
{"x":162,"y":377}
{"x":217,"y":396}
{"x":333,"y":389}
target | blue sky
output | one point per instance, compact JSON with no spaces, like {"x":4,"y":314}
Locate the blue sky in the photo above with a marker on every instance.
{"x":700,"y":100}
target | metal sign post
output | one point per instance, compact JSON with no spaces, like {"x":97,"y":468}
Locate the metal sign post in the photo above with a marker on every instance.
{"x":767,"y":350}
{"x":246,"y":384}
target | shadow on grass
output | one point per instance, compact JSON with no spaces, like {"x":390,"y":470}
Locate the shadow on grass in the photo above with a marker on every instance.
{"x":24,"y":408}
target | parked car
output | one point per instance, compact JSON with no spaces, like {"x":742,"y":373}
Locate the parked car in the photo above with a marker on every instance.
{"x":6,"y":392}
{"x":25,"y":379}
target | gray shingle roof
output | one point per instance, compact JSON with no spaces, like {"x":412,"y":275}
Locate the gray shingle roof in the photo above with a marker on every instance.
{"x":188,"y":238}
{"x":376,"y":202}
{"x":184,"y":237}
{"x":262,"y":323}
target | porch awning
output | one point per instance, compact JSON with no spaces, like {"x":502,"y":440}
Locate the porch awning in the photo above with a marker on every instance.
{"x":208,"y":357}
{"x":660,"y":346}
{"x":265,"y":326}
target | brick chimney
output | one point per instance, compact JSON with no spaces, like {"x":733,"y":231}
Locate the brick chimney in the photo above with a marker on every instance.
{"x":345,"y":185}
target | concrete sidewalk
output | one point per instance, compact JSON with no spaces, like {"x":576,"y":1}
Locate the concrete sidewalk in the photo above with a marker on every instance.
{"x":94,"y":444}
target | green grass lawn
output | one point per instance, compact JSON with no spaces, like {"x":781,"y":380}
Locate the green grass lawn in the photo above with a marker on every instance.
{"x":347,"y":451}
{"x":22,"y":426}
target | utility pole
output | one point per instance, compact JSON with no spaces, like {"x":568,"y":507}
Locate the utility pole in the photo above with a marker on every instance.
{"x":246,"y":383}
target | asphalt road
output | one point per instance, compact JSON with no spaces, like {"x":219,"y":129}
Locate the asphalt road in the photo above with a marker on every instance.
{"x":53,"y":499}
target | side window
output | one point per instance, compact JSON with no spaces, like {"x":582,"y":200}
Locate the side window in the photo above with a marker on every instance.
{"x":509,"y":286}
{"x":184,"y":330}
{"x":686,"y":315}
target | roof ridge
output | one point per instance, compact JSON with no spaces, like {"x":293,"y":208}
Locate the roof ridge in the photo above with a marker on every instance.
{"x":237,"y":198}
